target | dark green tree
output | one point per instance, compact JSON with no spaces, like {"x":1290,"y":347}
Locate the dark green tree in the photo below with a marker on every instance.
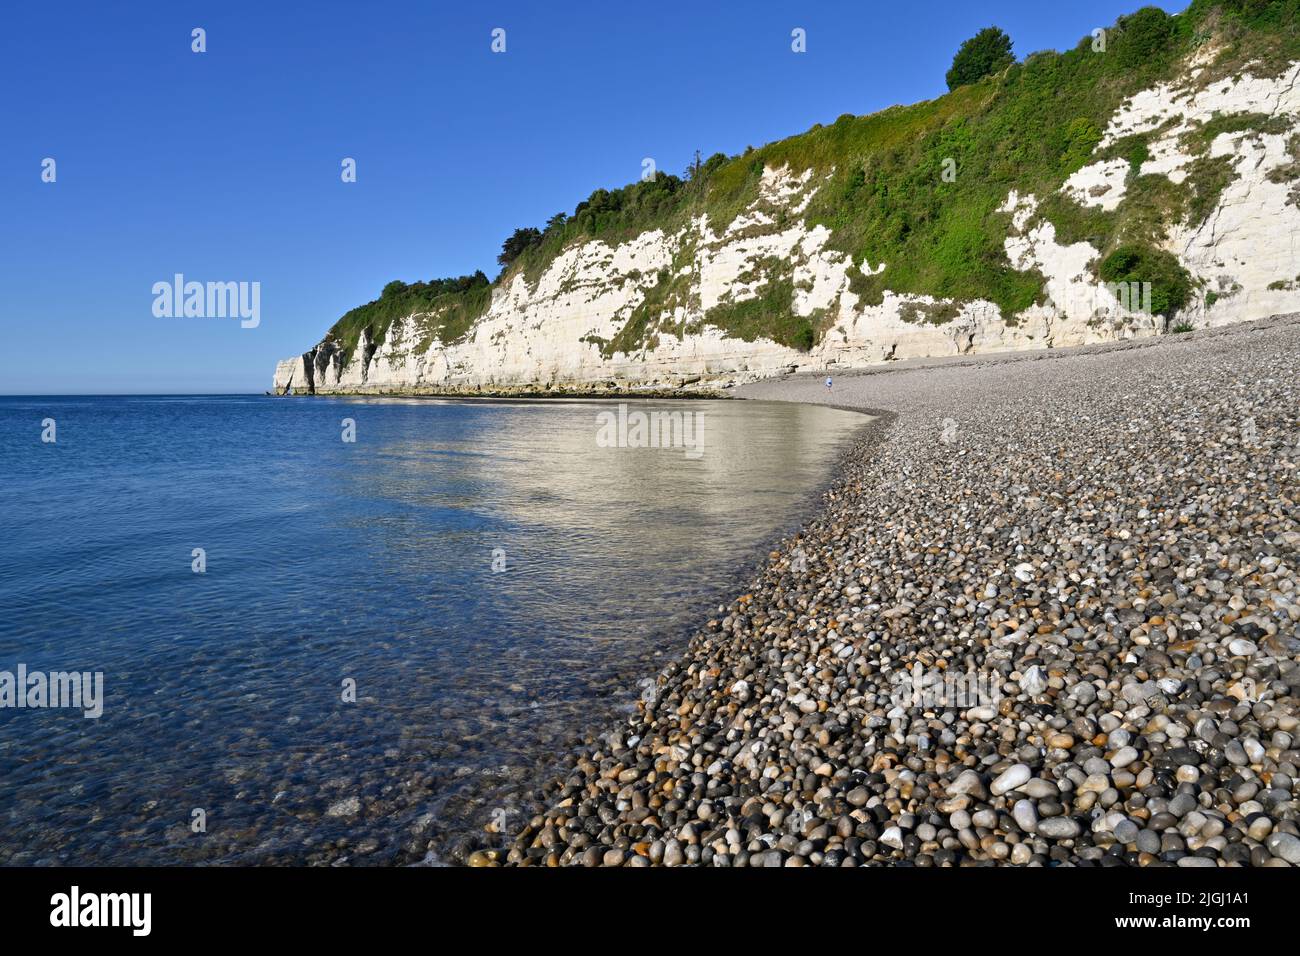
{"x":1144,"y":36}
{"x":984,"y":54}
{"x":714,"y":163}
{"x":517,"y":243}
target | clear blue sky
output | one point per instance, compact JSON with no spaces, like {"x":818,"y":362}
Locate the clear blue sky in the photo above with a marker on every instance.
{"x":225,"y":165}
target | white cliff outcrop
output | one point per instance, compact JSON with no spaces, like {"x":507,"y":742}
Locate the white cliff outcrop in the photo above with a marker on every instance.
{"x":554,"y":332}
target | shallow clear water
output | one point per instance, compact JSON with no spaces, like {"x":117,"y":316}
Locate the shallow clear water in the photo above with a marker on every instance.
{"x":329,"y":562}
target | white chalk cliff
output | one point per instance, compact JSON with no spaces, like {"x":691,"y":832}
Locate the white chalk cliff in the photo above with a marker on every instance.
{"x":548,"y":333}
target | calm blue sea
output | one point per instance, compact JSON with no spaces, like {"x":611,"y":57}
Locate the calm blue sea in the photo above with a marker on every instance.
{"x":489,"y":578}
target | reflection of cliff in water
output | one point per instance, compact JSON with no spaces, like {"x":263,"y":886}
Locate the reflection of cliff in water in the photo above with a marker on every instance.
{"x":371,"y":562}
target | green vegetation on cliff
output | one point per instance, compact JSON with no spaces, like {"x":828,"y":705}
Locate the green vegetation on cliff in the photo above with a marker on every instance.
{"x":918,"y":187}
{"x":449,"y":308}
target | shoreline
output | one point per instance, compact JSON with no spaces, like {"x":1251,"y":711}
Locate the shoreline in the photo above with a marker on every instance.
{"x":558,"y":393}
{"x":579,"y":391}
{"x":668,"y":644}
{"x":1106,"y":539}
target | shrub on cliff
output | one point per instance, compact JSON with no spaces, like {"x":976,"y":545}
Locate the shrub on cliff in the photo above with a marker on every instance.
{"x":1145,"y":36}
{"x":1170,"y":283}
{"x":984,"y":54}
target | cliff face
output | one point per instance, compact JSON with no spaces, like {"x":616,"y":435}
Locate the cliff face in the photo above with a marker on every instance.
{"x":565,"y":328}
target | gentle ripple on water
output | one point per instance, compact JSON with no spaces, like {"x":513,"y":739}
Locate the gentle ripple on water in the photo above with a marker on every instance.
{"x":330,"y":561}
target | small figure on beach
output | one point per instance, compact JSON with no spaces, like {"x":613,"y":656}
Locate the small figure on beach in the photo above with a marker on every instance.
{"x":828,"y":383}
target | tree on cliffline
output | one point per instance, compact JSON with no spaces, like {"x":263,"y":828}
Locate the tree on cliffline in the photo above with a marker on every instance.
{"x":984,"y":54}
{"x":1145,"y":35}
{"x":515,"y":245}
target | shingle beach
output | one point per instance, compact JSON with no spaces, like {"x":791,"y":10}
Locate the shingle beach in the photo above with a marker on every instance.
{"x":1048,"y":614}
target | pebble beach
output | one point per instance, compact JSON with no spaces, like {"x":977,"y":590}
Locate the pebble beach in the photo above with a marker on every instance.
{"x":1048,"y":614}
